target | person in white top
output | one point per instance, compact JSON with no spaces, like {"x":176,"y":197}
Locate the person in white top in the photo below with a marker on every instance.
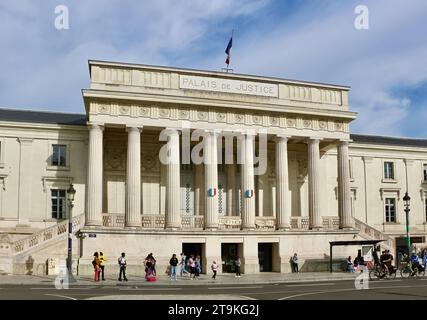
{"x":214,"y":268}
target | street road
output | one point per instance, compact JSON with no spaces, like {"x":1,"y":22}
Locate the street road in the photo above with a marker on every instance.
{"x":412,"y":289}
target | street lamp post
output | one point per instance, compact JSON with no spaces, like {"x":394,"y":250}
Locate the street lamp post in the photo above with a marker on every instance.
{"x":407,"y":200}
{"x":70,"y":195}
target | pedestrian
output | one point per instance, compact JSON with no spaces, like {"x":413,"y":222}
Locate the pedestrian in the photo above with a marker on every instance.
{"x":173,"y":262}
{"x":198,"y":267}
{"x":238,"y":264}
{"x":96,"y":266}
{"x":102,"y":260}
{"x":192,"y":267}
{"x":295,"y":262}
{"x":350,"y":267}
{"x":214,"y":268}
{"x":122,"y":265}
{"x":149,"y":264}
{"x":183,"y":264}
{"x":150,"y":258}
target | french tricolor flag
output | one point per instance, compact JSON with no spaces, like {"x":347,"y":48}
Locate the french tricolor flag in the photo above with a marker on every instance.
{"x":212,"y":192}
{"x":228,"y":49}
{"x":249,"y":193}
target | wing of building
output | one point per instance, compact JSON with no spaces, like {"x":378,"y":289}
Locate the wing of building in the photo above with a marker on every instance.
{"x":168,"y":160}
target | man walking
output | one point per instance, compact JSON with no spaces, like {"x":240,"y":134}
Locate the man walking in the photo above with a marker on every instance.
{"x":122,"y":264}
{"x":102,"y":260}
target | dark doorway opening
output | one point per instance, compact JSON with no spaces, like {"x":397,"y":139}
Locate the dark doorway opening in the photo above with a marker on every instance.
{"x":194,"y":249}
{"x":229,"y":253}
{"x":265,"y":257}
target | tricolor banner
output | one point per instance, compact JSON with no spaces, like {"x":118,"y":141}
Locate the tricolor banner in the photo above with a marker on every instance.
{"x":249,"y":193}
{"x":212,"y":192}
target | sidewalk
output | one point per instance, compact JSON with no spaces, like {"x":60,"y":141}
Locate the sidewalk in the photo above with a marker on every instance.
{"x":265,"y":278}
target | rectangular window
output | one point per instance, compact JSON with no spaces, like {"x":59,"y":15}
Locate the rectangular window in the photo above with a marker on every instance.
{"x":59,"y":155}
{"x":58,"y":204}
{"x":425,"y":171}
{"x":390,"y":210}
{"x":426,"y":208}
{"x":389,"y":170}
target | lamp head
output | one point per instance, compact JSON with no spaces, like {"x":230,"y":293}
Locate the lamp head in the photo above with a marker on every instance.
{"x":71,"y":193}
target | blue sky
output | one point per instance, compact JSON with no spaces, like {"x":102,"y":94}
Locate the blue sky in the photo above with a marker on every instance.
{"x":313,"y":40}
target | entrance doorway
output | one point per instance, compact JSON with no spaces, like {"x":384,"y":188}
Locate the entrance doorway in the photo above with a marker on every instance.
{"x":229,"y":253}
{"x":265,"y":257}
{"x":195,"y":249}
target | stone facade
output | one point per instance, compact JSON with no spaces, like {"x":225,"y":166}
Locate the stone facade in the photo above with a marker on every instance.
{"x":320,"y":183}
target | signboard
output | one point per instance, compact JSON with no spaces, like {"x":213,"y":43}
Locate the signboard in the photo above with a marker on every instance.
{"x":92,"y":235}
{"x":228,"y":86}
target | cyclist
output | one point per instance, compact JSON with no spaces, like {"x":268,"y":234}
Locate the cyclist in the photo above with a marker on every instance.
{"x":387,"y":260}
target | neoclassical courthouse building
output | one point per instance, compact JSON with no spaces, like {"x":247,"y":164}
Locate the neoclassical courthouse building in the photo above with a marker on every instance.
{"x":281,"y":173}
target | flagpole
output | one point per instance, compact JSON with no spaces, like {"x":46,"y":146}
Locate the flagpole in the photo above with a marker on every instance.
{"x":229,"y":55}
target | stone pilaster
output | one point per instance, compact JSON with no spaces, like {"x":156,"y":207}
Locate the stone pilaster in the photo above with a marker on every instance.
{"x":314,"y":184}
{"x":94,"y":176}
{"x":231,"y":187}
{"x":173,"y":182}
{"x":25,"y":183}
{"x":199,"y":191}
{"x":133,"y":178}
{"x":247,"y":175}
{"x":282,"y":183}
{"x":344,"y":204}
{"x":211,"y":180}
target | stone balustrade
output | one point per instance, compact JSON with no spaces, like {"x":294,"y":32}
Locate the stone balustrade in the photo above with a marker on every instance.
{"x":46,"y":235}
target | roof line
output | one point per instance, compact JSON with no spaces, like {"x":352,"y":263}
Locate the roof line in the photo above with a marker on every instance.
{"x":42,"y":111}
{"x":90,"y":61}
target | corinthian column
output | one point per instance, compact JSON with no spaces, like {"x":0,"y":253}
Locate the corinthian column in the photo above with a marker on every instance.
{"x":282,"y":183}
{"x":314,"y":184}
{"x":133,"y":178}
{"x":94,"y":176}
{"x":247,"y":173}
{"x":344,"y":205}
{"x":211,"y":180}
{"x":173,"y":181}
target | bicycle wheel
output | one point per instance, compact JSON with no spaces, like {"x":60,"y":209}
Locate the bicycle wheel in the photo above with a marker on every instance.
{"x":405,"y":272}
{"x":390,"y":275}
{"x":374,"y":274}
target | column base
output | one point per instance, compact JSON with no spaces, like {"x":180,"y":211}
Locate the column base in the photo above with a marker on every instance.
{"x":133,"y":227}
{"x":93,"y":224}
{"x":283,"y":228}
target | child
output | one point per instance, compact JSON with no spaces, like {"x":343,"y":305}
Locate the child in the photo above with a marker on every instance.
{"x":214,"y":268}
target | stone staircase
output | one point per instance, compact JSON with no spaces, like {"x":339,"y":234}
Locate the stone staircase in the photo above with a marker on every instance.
{"x":369,"y":233}
{"x":19,"y":256}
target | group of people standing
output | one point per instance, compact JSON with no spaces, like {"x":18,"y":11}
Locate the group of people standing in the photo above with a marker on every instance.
{"x":188,"y":265}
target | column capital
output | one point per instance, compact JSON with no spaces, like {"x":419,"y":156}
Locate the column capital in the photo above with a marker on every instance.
{"x":311,"y":140}
{"x":131,"y":128}
{"x":344,"y":142}
{"x":95,"y":126}
{"x":282,"y":137}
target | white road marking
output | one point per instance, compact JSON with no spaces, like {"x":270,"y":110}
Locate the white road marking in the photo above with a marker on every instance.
{"x":220,"y":288}
{"x":53,"y":288}
{"x":344,"y":290}
{"x":310,"y":285}
{"x":57,"y":295}
{"x":150,"y":289}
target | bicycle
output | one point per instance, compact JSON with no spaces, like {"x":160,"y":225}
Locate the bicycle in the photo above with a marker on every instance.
{"x":381,"y":272}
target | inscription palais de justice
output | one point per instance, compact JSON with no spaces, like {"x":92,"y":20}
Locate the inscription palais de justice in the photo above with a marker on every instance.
{"x":232,"y":86}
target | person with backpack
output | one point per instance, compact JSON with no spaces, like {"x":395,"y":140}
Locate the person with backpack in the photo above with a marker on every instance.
{"x":96,"y":266}
{"x":102,"y":260}
{"x":122,"y":264}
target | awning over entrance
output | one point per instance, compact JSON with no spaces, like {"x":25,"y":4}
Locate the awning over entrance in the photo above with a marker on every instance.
{"x":349,"y":243}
